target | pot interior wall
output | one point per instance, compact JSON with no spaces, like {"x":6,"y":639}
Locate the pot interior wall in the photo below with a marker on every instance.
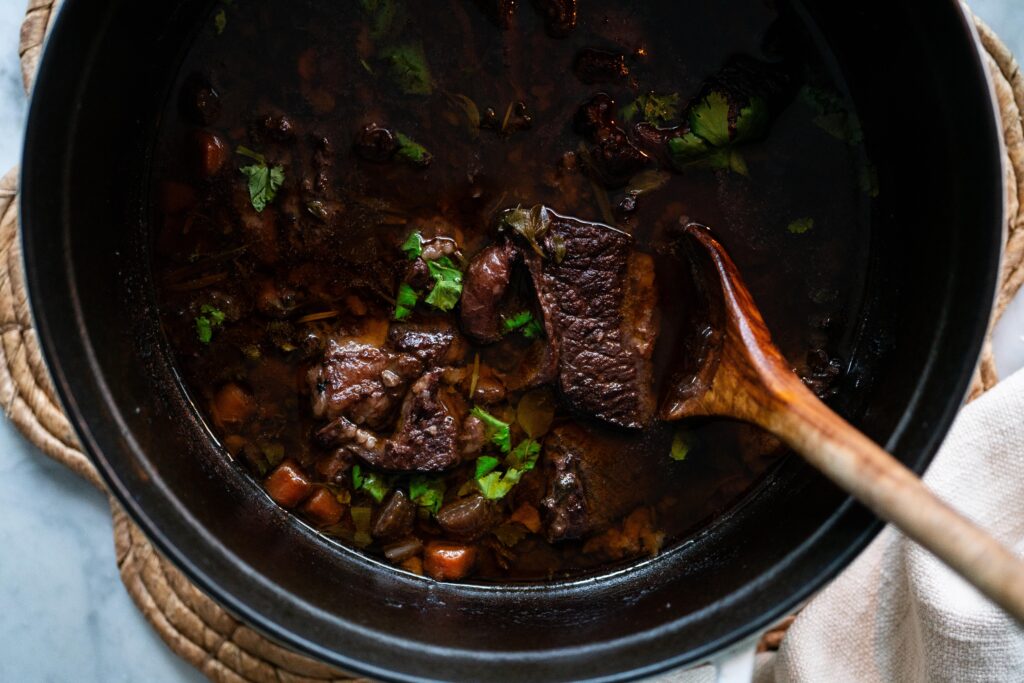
{"x":926,"y":112}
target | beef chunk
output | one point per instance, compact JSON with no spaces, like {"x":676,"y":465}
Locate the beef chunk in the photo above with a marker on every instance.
{"x":426,"y":440}
{"x":433,"y":343}
{"x":600,"y":66}
{"x":596,"y":476}
{"x":599,"y":301}
{"x":360,"y":382}
{"x":612,"y":157}
{"x":428,"y":431}
{"x":484,"y":286}
{"x":395,"y":518}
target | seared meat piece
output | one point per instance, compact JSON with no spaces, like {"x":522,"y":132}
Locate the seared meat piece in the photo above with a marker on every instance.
{"x":600,"y":66}
{"x":599,"y":301}
{"x":433,"y":344}
{"x":426,"y":440}
{"x":360,"y":382}
{"x":484,"y":286}
{"x":428,"y":432}
{"x":613,"y":158}
{"x":468,"y":518}
{"x":198,"y":101}
{"x":596,"y":476}
{"x":473,"y":436}
{"x":559,"y":16}
{"x":395,"y":518}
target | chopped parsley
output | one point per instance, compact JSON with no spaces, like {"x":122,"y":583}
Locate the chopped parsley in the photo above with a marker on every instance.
{"x":497,"y":430}
{"x":408,"y":67}
{"x":370,"y":482}
{"x":715,"y":127}
{"x":447,"y":284}
{"x":496,"y":485}
{"x":406,"y":300}
{"x":832,"y":115}
{"x":658,"y":110}
{"x":524,"y":323}
{"x":485,"y":464}
{"x":532,"y":224}
{"x":427,"y":492}
{"x":264,"y":180}
{"x":680,"y":445}
{"x":411,"y":151}
{"x":220,"y":21}
{"x":413,"y":246}
{"x":209,"y":319}
{"x":800,"y":226}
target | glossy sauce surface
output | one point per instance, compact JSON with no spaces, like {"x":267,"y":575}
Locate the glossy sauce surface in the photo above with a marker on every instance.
{"x":250,"y":299}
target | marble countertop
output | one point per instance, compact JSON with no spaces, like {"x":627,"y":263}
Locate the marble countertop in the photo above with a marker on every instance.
{"x":66,"y":616}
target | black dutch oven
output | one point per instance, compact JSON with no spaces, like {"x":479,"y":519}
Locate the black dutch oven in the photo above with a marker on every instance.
{"x":922,"y":93}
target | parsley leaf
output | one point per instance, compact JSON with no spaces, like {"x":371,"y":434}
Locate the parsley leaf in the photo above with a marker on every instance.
{"x":406,"y":300}
{"x":408,"y":67}
{"x":427,"y":492}
{"x":207,"y":321}
{"x":485,"y":464}
{"x":496,"y":485}
{"x":525,"y":323}
{"x":372,"y":483}
{"x":413,"y":245}
{"x":709,"y":119}
{"x":220,"y":21}
{"x":800,"y":225}
{"x":715,"y":127}
{"x":497,"y":430}
{"x":264,"y":181}
{"x":524,"y":456}
{"x":832,"y":115}
{"x":532,"y":224}
{"x":680,"y":446}
{"x":658,"y":110}
{"x":412,"y":151}
{"x":447,"y":284}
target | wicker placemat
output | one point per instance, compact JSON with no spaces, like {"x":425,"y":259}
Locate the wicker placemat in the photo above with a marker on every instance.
{"x":192,"y":624}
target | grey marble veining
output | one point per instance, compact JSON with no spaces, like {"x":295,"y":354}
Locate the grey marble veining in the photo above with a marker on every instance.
{"x":64,"y":615}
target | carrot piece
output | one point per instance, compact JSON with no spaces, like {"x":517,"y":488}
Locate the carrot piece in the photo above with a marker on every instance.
{"x":322,"y":508}
{"x":231,"y":406}
{"x":528,"y":516}
{"x":448,"y":561}
{"x":287,"y":485}
{"x":414,"y":565}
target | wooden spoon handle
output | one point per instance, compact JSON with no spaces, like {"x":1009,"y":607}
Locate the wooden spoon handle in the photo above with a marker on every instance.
{"x":896,"y":495}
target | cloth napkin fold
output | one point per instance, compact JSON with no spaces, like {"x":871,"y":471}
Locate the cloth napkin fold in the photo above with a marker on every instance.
{"x":897,"y":614}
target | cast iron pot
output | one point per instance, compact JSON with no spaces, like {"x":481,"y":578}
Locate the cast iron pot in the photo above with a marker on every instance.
{"x":922,"y":92}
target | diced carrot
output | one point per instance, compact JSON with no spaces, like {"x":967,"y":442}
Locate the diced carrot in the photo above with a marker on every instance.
{"x":287,"y":485}
{"x":448,"y":561}
{"x":528,"y":516}
{"x":211,"y":153}
{"x":232,"y":406}
{"x":413,"y":564}
{"x":322,"y":508}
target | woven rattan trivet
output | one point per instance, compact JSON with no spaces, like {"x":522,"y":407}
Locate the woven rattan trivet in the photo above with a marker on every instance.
{"x":191,"y":624}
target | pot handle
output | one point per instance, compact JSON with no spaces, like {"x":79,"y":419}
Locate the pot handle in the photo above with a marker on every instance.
{"x":736,"y":665}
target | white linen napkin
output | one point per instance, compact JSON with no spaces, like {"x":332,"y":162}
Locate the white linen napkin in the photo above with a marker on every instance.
{"x":897,"y":614}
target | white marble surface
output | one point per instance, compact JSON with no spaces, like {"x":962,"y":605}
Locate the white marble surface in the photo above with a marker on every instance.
{"x":64,"y":615}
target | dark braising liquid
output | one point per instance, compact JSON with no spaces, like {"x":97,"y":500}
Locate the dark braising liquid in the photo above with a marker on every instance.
{"x":288,"y":93}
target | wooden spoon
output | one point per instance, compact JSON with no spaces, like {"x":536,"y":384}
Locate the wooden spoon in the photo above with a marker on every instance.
{"x":745,"y":377}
